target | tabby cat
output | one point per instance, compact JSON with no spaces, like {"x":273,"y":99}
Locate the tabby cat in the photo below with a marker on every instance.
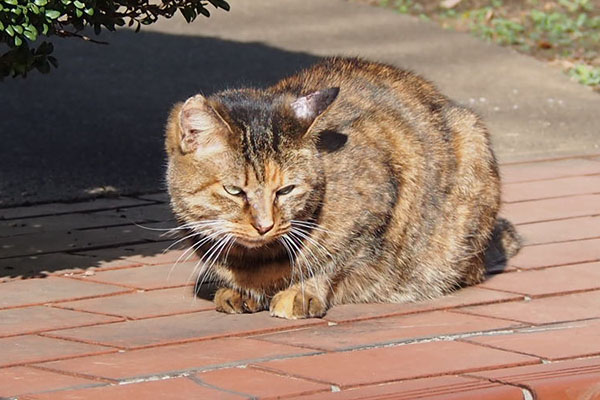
{"x":350,"y":182}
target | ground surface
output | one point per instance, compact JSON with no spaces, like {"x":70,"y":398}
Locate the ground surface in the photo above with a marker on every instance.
{"x":91,"y":307}
{"x":106,"y":314}
{"x":96,"y":124}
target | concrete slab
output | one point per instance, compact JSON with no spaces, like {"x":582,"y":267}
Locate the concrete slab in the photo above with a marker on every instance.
{"x":96,"y":123}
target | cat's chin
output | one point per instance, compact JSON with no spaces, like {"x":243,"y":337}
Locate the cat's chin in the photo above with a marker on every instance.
{"x":250,"y":243}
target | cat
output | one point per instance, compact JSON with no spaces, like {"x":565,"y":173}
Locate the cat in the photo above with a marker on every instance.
{"x":349,"y":182}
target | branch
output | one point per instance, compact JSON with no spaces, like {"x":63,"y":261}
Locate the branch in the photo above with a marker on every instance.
{"x":63,"y":33}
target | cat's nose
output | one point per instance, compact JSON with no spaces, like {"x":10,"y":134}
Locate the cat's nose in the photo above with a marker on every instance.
{"x":263,"y":227}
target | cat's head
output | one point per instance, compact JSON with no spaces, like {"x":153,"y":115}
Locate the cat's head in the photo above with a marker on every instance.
{"x":244,"y":163}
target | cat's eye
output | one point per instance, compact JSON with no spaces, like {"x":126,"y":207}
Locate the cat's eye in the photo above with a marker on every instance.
{"x":285,"y":190}
{"x":233,"y":190}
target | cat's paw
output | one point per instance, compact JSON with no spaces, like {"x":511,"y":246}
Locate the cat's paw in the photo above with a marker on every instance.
{"x":233,"y":302}
{"x":293,"y":304}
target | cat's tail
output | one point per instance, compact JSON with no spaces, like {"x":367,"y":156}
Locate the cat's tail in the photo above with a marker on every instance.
{"x":504,"y":244}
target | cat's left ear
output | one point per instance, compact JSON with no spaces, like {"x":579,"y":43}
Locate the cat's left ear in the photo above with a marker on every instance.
{"x":307,"y":108}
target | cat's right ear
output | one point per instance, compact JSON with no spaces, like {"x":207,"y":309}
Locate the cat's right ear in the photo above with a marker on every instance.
{"x":202,"y":128}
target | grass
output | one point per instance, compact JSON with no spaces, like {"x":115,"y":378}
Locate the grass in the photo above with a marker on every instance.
{"x":565,"y":33}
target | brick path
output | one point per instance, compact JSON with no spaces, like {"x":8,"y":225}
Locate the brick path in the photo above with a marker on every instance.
{"x":104,"y":315}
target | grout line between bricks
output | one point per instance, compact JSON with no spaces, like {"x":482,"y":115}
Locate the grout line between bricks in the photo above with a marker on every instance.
{"x":564,"y":196}
{"x":556,"y":219}
{"x":589,"y":157}
{"x":528,"y":392}
{"x":529,"y":297}
{"x":199,"y":381}
{"x":561,"y":241}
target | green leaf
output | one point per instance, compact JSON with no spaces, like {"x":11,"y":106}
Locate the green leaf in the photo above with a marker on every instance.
{"x":18,"y":41}
{"x":9,"y":30}
{"x":34,"y":8}
{"x":30,"y":35}
{"x":78,"y":13}
{"x":11,"y":2}
{"x":78,"y":4}
{"x":89,"y":11}
{"x":1,"y":26}
{"x":44,"y":29}
{"x":41,"y":3}
{"x":52,"y":14}
{"x":18,"y":29}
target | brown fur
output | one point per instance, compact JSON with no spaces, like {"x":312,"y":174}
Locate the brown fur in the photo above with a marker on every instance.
{"x":398,"y":184}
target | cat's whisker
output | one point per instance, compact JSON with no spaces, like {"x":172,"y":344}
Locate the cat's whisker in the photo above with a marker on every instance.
{"x":289,"y":253}
{"x":310,"y":225}
{"x":201,"y":260}
{"x":307,"y":236}
{"x":209,"y":259}
{"x":191,"y":249}
{"x":310,"y":267}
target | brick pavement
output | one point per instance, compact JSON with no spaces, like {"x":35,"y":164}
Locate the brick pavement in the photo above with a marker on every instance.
{"x":92,"y":308}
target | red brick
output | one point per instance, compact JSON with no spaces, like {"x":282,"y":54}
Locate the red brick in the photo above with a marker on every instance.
{"x":147,"y":277}
{"x":40,"y":291}
{"x":548,"y":281}
{"x":77,"y":240}
{"x":155,"y":212}
{"x":67,"y":208}
{"x":167,"y":359}
{"x":545,"y":310}
{"x":548,"y":170}
{"x":42,"y":265}
{"x":564,"y":380}
{"x":16,"y":381}
{"x":385,"y":330}
{"x":261,"y":384}
{"x":170,"y":389}
{"x":180,"y":328}
{"x":438,"y":388}
{"x":560,"y":231}
{"x":572,"y":340}
{"x":397,"y":363}
{"x":18,"y":321}
{"x":67,"y":222}
{"x":154,"y":253}
{"x":552,"y":209}
{"x":463,"y":297}
{"x":29,"y":349}
{"x":137,"y":305}
{"x":577,"y":185}
{"x":548,"y":255}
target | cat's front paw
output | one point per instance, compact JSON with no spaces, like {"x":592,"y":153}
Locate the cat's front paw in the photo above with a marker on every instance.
{"x":295,"y":304}
{"x":233,"y":302}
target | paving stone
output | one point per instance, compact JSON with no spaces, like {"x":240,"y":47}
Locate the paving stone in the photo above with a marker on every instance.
{"x":68,"y":208}
{"x":30,"y":348}
{"x":180,"y":328}
{"x":179,"y":357}
{"x":47,"y":242}
{"x":563,"y":380}
{"x":170,"y":389}
{"x":548,"y":170}
{"x":552,"y":209}
{"x":51,"y":289}
{"x":463,"y":297}
{"x":560,"y":231}
{"x":147,"y":277}
{"x":544,"y":310}
{"x":16,"y":381}
{"x":19,"y":321}
{"x":548,"y":255}
{"x":161,"y":197}
{"x":571,"y":340}
{"x":565,"y":279}
{"x":438,"y":388}
{"x":260,"y":384}
{"x":155,"y":212}
{"x":146,"y":253}
{"x":42,"y":265}
{"x":397,"y":363}
{"x":385,"y":330}
{"x":137,"y":305}
{"x":67,"y":222}
{"x":562,"y":187}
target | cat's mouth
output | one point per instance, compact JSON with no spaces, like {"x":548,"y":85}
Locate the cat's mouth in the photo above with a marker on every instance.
{"x":253,"y":243}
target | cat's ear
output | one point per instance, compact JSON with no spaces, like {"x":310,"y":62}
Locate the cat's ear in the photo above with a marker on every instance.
{"x":307,"y":108}
{"x":202,"y":128}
